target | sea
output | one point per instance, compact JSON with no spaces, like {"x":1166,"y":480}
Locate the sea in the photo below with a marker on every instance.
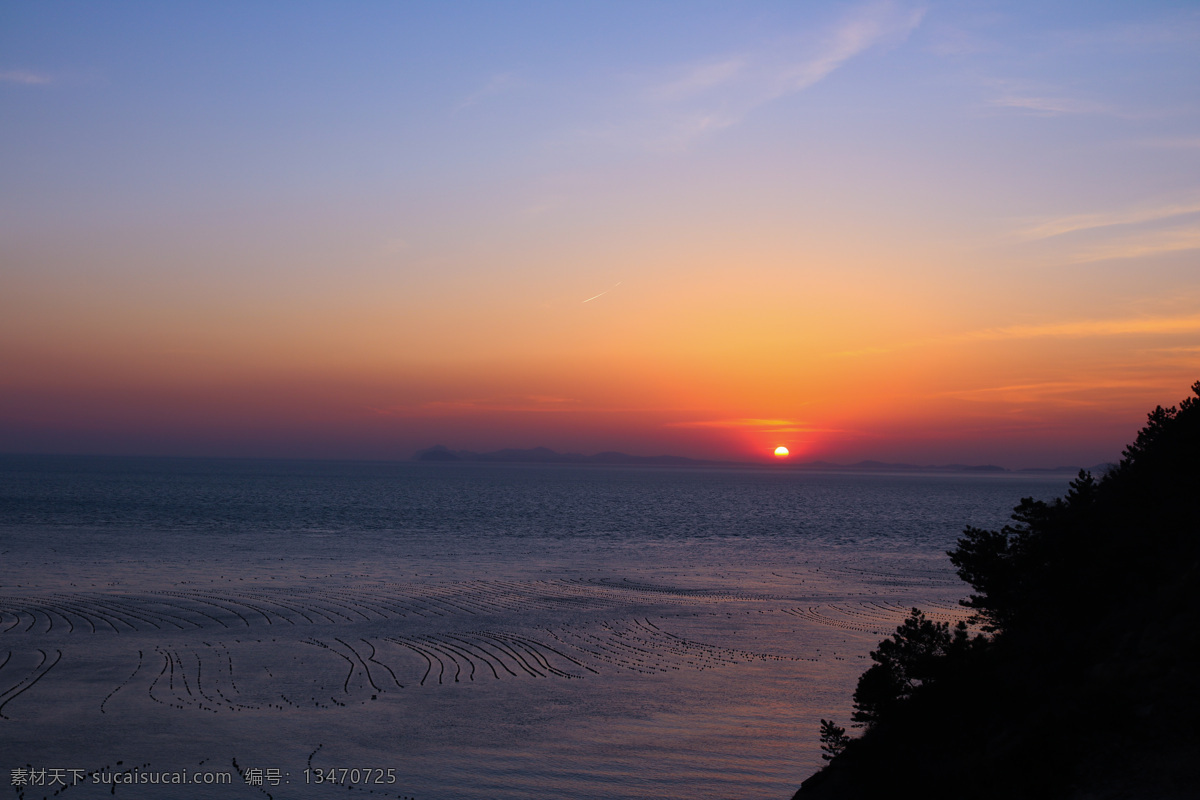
{"x":191,"y":628}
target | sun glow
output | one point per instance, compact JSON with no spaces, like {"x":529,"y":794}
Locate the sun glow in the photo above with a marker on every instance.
{"x":781,"y":452}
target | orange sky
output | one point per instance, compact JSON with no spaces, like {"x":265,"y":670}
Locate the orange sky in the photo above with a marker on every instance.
{"x":885,"y":231}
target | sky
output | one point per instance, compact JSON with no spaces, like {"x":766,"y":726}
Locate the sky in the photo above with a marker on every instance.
{"x":938,"y":232}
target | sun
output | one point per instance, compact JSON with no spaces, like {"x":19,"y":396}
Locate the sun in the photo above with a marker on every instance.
{"x":781,"y":452}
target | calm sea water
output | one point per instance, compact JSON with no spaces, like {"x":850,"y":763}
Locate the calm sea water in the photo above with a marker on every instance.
{"x":452,"y":630}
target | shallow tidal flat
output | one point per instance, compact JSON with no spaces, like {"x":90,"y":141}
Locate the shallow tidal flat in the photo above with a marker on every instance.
{"x":455,"y":666}
{"x":603,"y":686}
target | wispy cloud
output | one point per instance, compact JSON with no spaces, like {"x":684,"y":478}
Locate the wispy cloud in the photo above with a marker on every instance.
{"x":606,"y":291}
{"x":1075,"y":329}
{"x":744,"y":422}
{"x":1140,"y":231}
{"x":25,"y":77}
{"x":1093,"y":328}
{"x":394,"y":246}
{"x":699,"y":78}
{"x":763,"y":425}
{"x":963,"y":38}
{"x":1166,"y":32}
{"x":476,"y":405}
{"x":716,"y":93}
{"x":1057,"y":226}
{"x":1142,"y":245}
{"x":1040,"y":99}
{"x":1173,"y":143}
{"x":872,"y":25}
{"x":1089,"y":392}
{"x":1050,"y":105}
{"x":496,"y":84}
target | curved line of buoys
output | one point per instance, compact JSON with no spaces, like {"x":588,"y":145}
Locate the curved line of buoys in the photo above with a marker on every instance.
{"x":262,"y":598}
{"x":89,"y":613}
{"x":450,"y":650}
{"x":488,"y":649}
{"x":65,"y":602}
{"x":432,"y":644}
{"x":366,"y":669}
{"x":359,"y":602}
{"x":122,"y":684}
{"x":199,"y":611}
{"x":533,"y":648}
{"x":350,"y":661}
{"x":16,"y":686}
{"x":57,"y":609}
{"x":373,"y":660}
{"x":400,"y":641}
{"x":174,"y":619}
{"x":199,"y":675}
{"x":109,"y":603}
{"x":208,"y":600}
{"x":482,"y":655}
{"x":504,"y":646}
{"x":163,"y":671}
{"x":16,"y":615}
{"x":29,"y":682}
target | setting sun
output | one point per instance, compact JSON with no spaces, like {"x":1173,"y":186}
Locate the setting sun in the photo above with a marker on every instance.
{"x":781,"y":452}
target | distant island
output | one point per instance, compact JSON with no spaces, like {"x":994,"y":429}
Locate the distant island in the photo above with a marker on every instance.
{"x":544,"y":455}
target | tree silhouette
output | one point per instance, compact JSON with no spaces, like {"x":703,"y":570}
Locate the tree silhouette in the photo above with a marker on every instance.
{"x":917,"y":654}
{"x":1085,"y":686}
{"x":1034,"y":563}
{"x":833,"y":739}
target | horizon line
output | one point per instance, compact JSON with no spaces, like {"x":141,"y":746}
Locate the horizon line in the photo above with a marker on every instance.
{"x":587,"y":460}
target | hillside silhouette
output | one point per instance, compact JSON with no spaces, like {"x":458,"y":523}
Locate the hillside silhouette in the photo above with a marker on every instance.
{"x":1081,"y":681}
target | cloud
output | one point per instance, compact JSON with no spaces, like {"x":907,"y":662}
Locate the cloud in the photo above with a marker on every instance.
{"x":1041,"y":100}
{"x":870,"y":26}
{"x":606,"y":291}
{"x":1143,"y":245}
{"x":697,"y":79}
{"x":717,"y":93}
{"x":1050,"y":105}
{"x":762,"y":425}
{"x":1093,"y":328}
{"x":1173,"y":143}
{"x":952,"y":40}
{"x":1076,"y":329}
{"x":25,"y":77}
{"x":1058,"y":226}
{"x":395,"y":246}
{"x":1074,"y":393}
{"x":1153,"y":239}
{"x":497,"y":84}
{"x":1167,"y":32}
{"x":745,"y":422}
{"x":477,"y":405}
